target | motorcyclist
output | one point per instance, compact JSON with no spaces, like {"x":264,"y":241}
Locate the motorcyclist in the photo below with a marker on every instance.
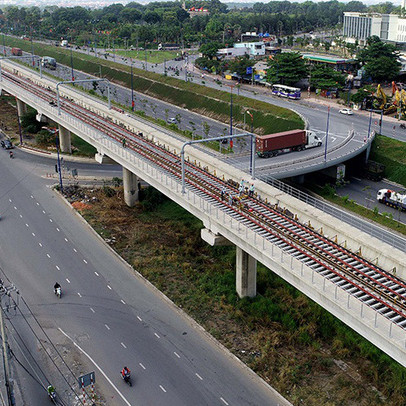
{"x":56,"y":286}
{"x":51,"y":391}
{"x":11,"y":154}
{"x":125,"y":372}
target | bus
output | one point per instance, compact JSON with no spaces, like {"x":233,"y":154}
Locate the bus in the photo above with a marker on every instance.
{"x":286,"y":91}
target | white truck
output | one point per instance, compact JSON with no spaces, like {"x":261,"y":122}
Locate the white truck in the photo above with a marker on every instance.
{"x":391,"y":198}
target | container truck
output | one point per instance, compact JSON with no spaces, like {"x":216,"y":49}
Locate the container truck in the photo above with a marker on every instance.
{"x":48,"y":62}
{"x":293,"y":140}
{"x":16,"y":51}
{"x":391,"y":198}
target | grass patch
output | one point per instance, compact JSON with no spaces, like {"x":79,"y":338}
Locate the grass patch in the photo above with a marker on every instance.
{"x":391,"y":153}
{"x":152,"y":56}
{"x":292,"y":342}
{"x":81,"y":147}
{"x":203,"y":100}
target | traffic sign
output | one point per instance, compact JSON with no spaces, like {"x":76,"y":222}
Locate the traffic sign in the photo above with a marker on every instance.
{"x":86,"y":380}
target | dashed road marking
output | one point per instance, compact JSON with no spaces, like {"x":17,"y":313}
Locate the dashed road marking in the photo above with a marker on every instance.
{"x":33,"y":234}
{"x":57,"y":267}
{"x":92,"y":310}
{"x":9,"y":200}
{"x":108,"y":328}
{"x":142,"y":366}
{"x":49,"y":256}
{"x":37,"y":204}
{"x":21,"y":216}
{"x":139,"y":318}
{"x":85,"y":261}
{"x":32,"y":197}
{"x":109,"y":287}
{"x":57,"y":229}
{"x":15,"y":208}
{"x":176,"y":354}
{"x":26,"y":224}
{"x":124,"y":346}
{"x":67,"y":280}
{"x":75,"y":250}
{"x":122,"y":301}
{"x":162,"y":388}
{"x":40,"y":244}
{"x":199,"y":376}
{"x":79,"y":294}
{"x":43,"y":211}
{"x":96,"y":273}
{"x":156,"y":335}
{"x":66,"y":239}
{"x":224,"y":401}
{"x":50,"y":220}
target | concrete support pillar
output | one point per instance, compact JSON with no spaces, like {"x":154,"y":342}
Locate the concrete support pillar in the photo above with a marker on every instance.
{"x":21,"y":107}
{"x":246,"y":274}
{"x":65,"y":140}
{"x":130,"y":183}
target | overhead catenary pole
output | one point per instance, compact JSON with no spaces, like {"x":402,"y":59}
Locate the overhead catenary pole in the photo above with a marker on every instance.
{"x":325,"y":146}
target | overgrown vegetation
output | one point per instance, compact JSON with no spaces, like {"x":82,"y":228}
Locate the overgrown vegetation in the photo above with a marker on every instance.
{"x":391,"y":153}
{"x":300,"y":349}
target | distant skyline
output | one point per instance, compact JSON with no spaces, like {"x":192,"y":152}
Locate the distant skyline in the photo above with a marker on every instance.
{"x":104,"y":3}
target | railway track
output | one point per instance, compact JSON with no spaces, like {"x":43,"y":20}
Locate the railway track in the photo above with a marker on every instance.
{"x":362,"y":279}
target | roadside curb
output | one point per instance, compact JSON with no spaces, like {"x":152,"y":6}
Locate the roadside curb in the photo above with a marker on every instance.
{"x":177,"y":309}
{"x":66,"y":158}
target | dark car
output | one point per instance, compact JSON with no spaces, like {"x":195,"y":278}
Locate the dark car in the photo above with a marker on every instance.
{"x":6,"y":144}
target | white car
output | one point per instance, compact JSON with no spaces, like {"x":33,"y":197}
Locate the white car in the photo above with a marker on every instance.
{"x":349,"y":112}
{"x":172,"y":120}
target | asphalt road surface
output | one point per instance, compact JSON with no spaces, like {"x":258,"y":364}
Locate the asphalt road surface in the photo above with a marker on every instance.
{"x":110,"y":312}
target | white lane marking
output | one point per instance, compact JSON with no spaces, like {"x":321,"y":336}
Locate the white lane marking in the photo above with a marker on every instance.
{"x":85,"y":261}
{"x":139,"y":318}
{"x":66,"y":239}
{"x":57,"y":229}
{"x":358,"y":179}
{"x":50,"y":220}
{"x":96,"y":273}
{"x":123,"y":345}
{"x":43,"y":211}
{"x":102,"y":372}
{"x":40,"y":244}
{"x":15,"y":208}
{"x":108,"y":328}
{"x":33,"y":234}
{"x":67,"y":280}
{"x":156,"y":335}
{"x":142,"y":366}
{"x":122,"y":301}
{"x":49,"y":256}
{"x":109,"y":287}
{"x":223,"y":401}
{"x":79,"y":294}
{"x":57,"y":267}
{"x":92,"y":310}
{"x":162,"y":388}
{"x":32,"y":197}
{"x":9,"y":200}
{"x":75,"y":250}
{"x":370,"y":200}
{"x":199,"y":376}
{"x":21,"y":216}
{"x":37,"y":204}
{"x":176,"y":354}
{"x":26,"y":225}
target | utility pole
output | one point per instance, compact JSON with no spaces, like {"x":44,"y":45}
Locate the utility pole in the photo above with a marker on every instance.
{"x":6,"y":364}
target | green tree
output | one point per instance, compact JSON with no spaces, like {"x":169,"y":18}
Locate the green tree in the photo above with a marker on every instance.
{"x":380,"y":59}
{"x":240,"y":65}
{"x":209,"y":50}
{"x":324,"y":77}
{"x":286,"y":68}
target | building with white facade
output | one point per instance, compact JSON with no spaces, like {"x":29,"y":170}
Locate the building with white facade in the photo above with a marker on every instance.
{"x":255,"y":48}
{"x":360,"y":26}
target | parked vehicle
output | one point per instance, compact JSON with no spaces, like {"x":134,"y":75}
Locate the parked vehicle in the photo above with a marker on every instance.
{"x":392,"y":198}
{"x":286,"y":141}
{"x":64,"y":43}
{"x":374,"y":170}
{"x":6,"y":144}
{"x":48,"y":62}
{"x":348,"y":112}
{"x":16,"y":51}
{"x":172,"y":120}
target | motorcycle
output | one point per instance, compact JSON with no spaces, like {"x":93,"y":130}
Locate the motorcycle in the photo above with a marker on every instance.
{"x":52,"y":393}
{"x":11,"y":155}
{"x":127,"y":379}
{"x":58,"y":292}
{"x":402,"y":126}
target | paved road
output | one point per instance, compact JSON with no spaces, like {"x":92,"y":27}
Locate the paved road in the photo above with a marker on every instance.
{"x":113,"y":315}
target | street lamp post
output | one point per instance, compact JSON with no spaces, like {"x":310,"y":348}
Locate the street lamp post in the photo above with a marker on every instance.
{"x":71,"y":65}
{"x":58,"y":159}
{"x":370,"y":122}
{"x":325,"y":145}
{"x":132,"y":87}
